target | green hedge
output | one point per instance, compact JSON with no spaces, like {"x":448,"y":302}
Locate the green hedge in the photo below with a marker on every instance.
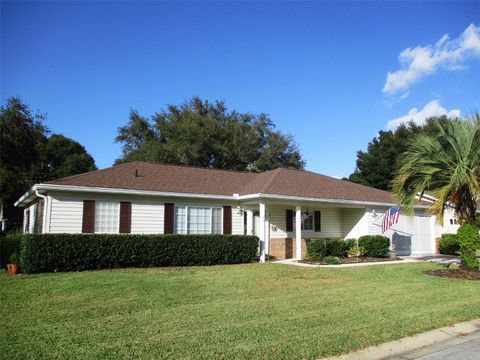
{"x":76,"y":252}
{"x":317,"y":248}
{"x":9,"y":244}
{"x":374,"y":245}
{"x":322,"y":247}
{"x":469,"y":241}
{"x":449,"y":244}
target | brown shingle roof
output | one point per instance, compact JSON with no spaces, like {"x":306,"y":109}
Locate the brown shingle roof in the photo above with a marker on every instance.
{"x":310,"y":184}
{"x":185,"y":179}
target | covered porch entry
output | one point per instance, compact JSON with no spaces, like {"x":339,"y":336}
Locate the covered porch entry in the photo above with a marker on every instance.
{"x":284,"y":229}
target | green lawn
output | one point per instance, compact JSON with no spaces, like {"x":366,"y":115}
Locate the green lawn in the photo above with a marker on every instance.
{"x":240,"y":311}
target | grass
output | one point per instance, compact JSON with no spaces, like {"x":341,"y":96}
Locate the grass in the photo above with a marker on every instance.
{"x":254,"y":311}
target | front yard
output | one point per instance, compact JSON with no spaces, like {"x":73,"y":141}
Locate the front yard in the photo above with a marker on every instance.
{"x":253,"y":311}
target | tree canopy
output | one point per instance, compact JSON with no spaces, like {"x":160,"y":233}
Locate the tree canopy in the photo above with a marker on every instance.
{"x":205,"y":134}
{"x":376,"y":166}
{"x":446,"y":163}
{"x":28,"y":155}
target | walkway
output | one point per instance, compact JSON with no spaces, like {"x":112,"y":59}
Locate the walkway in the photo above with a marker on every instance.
{"x":441,"y":259}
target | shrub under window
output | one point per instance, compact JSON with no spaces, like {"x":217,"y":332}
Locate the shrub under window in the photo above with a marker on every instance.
{"x":374,"y":245}
{"x":75,"y":252}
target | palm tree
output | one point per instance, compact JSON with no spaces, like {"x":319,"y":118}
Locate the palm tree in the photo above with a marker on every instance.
{"x":447,"y":165}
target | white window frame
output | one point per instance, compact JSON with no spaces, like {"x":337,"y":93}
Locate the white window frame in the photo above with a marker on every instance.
{"x":312,"y":214}
{"x":185,"y":220}
{"x":115,"y":231}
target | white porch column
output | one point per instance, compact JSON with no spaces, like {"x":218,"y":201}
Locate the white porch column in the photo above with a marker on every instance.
{"x":249,"y":222}
{"x":267,"y":233}
{"x":298,"y":232}
{"x":261,"y":233}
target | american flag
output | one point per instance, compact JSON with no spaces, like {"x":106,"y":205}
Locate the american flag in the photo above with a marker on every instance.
{"x":391,"y":217}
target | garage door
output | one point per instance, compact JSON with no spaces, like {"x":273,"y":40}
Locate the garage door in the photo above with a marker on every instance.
{"x":413,"y":235}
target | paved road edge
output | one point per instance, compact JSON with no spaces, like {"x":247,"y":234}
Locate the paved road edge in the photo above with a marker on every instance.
{"x":411,"y":343}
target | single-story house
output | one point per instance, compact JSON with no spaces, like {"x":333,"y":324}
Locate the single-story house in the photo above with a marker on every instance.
{"x":283,"y":207}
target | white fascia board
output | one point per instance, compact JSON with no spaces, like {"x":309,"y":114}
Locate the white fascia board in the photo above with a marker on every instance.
{"x":21,"y":201}
{"x":100,"y":190}
{"x":233,"y":197}
{"x":260,"y":196}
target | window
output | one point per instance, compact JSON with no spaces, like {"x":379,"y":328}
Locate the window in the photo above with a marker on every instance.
{"x":107,"y":216}
{"x":198,"y":220}
{"x":307,"y":223}
{"x":453,"y":221}
{"x":27,"y":222}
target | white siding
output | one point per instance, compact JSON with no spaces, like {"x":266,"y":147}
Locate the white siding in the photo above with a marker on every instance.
{"x":354,"y":223}
{"x":147,"y":217}
{"x":237,"y":221}
{"x":331,"y":223}
{"x":448,"y":228}
{"x":31,"y":220}
{"x":66,"y":214}
{"x":374,"y":220}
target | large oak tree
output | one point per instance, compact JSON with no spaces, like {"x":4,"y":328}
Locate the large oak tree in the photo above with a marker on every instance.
{"x":205,"y":134}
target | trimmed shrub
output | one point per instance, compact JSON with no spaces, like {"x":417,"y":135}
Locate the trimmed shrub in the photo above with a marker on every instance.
{"x":9,"y":244}
{"x":76,"y":252}
{"x":374,"y":245}
{"x":351,"y":243}
{"x":469,"y":241}
{"x":321,"y":247}
{"x":449,"y":244}
{"x":337,"y":248}
{"x":317,"y":248}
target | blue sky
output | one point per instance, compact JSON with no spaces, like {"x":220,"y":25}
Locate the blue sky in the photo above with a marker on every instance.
{"x":331,"y":74}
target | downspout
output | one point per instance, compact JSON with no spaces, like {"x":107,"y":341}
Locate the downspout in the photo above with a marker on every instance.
{"x":45,"y":204}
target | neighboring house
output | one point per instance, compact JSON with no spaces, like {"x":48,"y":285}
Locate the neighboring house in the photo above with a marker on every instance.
{"x":283,"y":207}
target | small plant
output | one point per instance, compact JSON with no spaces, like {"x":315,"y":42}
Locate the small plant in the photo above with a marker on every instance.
{"x":362,"y":251}
{"x":14,"y":259}
{"x":449,"y":244}
{"x":331,"y":260}
{"x":469,"y":241}
{"x":12,"y":266}
{"x":354,"y":251}
{"x":349,"y":243}
{"x":312,"y":259}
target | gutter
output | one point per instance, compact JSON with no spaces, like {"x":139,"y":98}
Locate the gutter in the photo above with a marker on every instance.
{"x":45,"y":208}
{"x":323,"y":200}
{"x":233,"y":197}
{"x":88,"y":189}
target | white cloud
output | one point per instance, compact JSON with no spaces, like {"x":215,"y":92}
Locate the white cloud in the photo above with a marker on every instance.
{"x":422,"y":61}
{"x":433,"y":108}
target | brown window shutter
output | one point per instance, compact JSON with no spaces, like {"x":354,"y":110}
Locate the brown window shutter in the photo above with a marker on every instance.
{"x":227,"y":220}
{"x":317,"y":221}
{"x":168,"y":218}
{"x":125,"y":217}
{"x":289,"y":220}
{"x":88,"y":221}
